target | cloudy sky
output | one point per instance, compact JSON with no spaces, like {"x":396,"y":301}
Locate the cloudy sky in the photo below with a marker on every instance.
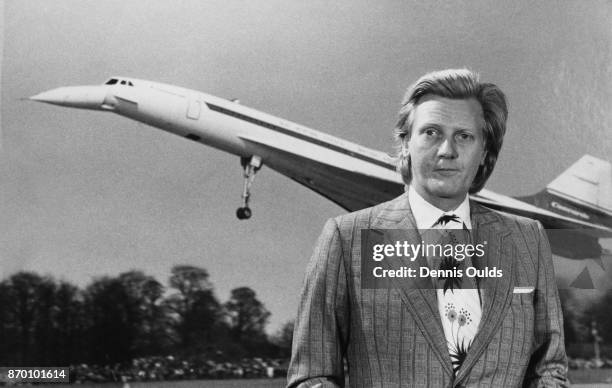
{"x":85,"y":194}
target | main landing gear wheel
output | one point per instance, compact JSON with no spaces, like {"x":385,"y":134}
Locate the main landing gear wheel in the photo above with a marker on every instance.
{"x":250,"y":166}
{"x":243,"y":213}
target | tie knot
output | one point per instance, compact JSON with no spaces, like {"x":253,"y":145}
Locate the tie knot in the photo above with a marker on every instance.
{"x":446,"y":218}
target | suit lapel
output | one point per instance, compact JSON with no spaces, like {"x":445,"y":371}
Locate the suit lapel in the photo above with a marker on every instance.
{"x":496,"y":293}
{"x":421,"y":301}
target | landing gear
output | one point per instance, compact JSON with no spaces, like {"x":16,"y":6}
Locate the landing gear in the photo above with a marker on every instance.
{"x":250,"y":165}
{"x":243,"y":213}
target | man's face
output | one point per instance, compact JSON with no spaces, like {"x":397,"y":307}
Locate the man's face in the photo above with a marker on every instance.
{"x":446,"y":147}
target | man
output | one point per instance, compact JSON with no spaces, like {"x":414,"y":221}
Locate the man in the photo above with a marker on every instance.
{"x":500,"y":332}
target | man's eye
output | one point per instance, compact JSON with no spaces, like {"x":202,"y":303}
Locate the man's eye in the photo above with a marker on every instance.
{"x":430,"y":132}
{"x":465,"y":137}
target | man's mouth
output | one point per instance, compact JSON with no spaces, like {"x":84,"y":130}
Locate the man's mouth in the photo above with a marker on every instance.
{"x":446,"y":171}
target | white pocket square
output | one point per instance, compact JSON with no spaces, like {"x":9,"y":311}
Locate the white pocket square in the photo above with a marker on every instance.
{"x":523,"y":290}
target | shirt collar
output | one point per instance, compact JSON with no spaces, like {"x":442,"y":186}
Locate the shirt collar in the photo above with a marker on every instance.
{"x":426,"y":215}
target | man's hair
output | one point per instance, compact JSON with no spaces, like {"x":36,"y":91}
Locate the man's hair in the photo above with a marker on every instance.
{"x":456,"y":84}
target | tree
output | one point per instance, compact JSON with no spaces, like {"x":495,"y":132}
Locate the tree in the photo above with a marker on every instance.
{"x":574,"y":319}
{"x":197,"y":312}
{"x":600,"y":313}
{"x":283,"y":339}
{"x":188,"y":280}
{"x":248,"y":318}
{"x":148,"y":314}
{"x":41,"y":321}
{"x":113,"y":321}
{"x":27,"y":313}
{"x":8,"y":325}
{"x":128,"y":310}
{"x":71,"y":323}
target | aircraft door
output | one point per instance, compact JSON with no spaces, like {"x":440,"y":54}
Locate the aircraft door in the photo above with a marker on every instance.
{"x":193,"y":109}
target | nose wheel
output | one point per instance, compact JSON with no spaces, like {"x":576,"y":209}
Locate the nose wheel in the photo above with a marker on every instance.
{"x":250,"y":166}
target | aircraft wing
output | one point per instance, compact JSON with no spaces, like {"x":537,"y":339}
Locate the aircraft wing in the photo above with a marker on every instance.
{"x":350,"y":188}
{"x":353,"y":188}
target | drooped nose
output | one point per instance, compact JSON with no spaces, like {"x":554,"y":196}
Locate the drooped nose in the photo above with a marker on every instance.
{"x":84,"y":97}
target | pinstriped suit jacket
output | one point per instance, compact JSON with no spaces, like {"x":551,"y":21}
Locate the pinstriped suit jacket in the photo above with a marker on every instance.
{"x":394,"y":337}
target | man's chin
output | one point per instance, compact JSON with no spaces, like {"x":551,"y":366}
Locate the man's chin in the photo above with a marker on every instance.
{"x":446,"y":191}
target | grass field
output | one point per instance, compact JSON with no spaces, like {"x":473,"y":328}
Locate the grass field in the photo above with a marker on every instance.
{"x":255,"y":383}
{"x":239,"y":383}
{"x":587,"y":378}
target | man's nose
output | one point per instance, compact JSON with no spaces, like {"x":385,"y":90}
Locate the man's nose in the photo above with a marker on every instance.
{"x":447,"y":149}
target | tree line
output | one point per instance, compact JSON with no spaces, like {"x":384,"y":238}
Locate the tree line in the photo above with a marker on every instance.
{"x":44,"y":322}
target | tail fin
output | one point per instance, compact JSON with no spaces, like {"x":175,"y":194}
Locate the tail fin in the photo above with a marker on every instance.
{"x":583,"y":192}
{"x":588,"y":183}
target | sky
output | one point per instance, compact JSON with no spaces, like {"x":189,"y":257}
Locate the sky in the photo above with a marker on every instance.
{"x":85,"y":194}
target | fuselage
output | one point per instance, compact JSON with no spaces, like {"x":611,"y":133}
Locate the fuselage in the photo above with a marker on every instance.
{"x":220,"y":123}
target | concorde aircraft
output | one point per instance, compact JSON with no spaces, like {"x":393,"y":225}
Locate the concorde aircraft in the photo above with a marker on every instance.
{"x":577,"y":204}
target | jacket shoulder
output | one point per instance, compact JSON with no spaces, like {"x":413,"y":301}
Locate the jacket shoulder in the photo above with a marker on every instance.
{"x":512,"y":221}
{"x":362,"y":219}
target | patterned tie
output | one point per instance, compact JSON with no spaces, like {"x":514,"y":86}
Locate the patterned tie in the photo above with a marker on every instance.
{"x":454,"y":237}
{"x":458,"y":299}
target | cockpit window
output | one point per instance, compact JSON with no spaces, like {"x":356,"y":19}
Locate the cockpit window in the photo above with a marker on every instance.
{"x":116,"y":81}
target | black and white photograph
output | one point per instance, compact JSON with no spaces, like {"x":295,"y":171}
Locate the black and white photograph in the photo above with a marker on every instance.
{"x":228,"y":194}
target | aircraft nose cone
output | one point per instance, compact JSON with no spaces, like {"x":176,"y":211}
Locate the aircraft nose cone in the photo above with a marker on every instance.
{"x":55,"y":96}
{"x":84,"y":97}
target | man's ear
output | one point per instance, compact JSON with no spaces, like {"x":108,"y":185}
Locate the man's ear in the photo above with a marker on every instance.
{"x":405,"y":144}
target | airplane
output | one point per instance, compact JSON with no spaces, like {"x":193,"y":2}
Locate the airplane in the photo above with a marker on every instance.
{"x":575,"y":208}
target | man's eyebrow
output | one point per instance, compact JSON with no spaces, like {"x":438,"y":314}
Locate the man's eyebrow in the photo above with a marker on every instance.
{"x":456,"y":129}
{"x":429,"y":124}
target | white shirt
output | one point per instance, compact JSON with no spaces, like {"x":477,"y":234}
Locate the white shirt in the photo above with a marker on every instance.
{"x":460,"y":310}
{"x":426,"y":215}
